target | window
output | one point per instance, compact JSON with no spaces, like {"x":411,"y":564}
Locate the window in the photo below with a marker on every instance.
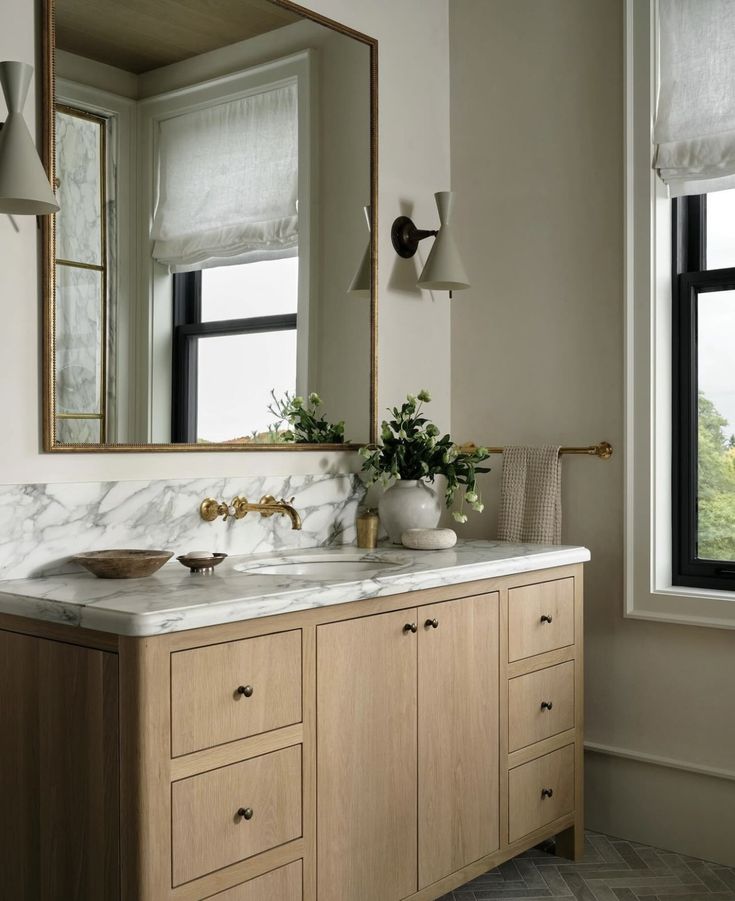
{"x":235,"y":326}
{"x":81,"y":279}
{"x":661,"y":415}
{"x":703,"y":381}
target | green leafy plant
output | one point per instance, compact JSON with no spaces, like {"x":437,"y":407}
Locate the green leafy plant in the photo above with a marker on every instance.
{"x":307,"y":425}
{"x":411,"y":448}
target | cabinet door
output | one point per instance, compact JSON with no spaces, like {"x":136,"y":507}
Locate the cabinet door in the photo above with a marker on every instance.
{"x":458,"y":734}
{"x":366,"y":758}
{"x":59,"y":771}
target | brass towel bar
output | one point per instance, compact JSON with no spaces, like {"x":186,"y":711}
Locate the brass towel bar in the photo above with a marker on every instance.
{"x":603,"y":450}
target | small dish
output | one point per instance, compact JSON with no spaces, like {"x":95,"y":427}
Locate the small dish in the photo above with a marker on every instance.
{"x":122,"y":564}
{"x":199,"y":564}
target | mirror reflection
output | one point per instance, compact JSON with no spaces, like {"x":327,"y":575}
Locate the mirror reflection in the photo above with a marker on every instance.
{"x":213,"y":163}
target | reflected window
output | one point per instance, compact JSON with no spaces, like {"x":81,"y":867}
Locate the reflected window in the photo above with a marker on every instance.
{"x":81,"y":278}
{"x":234,"y":341}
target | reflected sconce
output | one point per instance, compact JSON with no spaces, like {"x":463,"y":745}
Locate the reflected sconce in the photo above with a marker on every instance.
{"x":444,"y":269}
{"x":363,"y":278}
{"x":24,"y":185}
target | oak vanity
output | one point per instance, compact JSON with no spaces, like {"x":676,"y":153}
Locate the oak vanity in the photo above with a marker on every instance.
{"x":247,"y":737}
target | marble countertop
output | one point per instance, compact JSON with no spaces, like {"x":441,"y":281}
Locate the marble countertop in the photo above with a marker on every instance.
{"x":173,"y":600}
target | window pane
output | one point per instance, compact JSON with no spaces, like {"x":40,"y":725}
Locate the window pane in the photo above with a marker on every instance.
{"x":79,"y":142}
{"x":236,"y":375}
{"x":268,"y":288}
{"x":721,"y":229}
{"x":716,"y":426}
{"x":78,"y":431}
{"x":79,"y":353}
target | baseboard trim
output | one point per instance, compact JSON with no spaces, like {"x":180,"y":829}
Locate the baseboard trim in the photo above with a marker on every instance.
{"x":656,"y":760}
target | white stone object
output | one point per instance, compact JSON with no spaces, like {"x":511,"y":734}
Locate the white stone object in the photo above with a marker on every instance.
{"x":429,"y":539}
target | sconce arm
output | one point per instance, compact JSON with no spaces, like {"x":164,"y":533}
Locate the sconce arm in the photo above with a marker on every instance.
{"x":405,"y":236}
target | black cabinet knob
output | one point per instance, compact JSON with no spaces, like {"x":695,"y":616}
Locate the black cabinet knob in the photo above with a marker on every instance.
{"x":246,"y":813}
{"x":546,"y":618}
{"x":432,"y":624}
{"x":547,"y":792}
{"x":410,"y":627}
{"x":246,"y":690}
{"x":547,"y":705}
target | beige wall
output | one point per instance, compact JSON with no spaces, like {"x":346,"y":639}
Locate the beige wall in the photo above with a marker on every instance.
{"x":414,"y":328}
{"x":537,"y":357}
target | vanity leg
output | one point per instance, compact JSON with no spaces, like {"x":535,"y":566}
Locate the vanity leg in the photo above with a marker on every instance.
{"x":570,"y":843}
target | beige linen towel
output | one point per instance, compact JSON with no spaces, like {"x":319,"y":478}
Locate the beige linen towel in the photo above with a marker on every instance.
{"x":530,"y":495}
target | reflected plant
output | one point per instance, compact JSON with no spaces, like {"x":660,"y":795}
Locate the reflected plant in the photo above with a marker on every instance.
{"x":411,"y":448}
{"x":307,"y":424}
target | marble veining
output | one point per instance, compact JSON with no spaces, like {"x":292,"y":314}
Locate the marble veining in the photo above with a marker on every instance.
{"x":43,"y":525}
{"x":172,"y":600}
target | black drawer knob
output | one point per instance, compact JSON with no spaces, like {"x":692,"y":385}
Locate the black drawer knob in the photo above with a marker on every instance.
{"x":546,"y":618}
{"x":410,"y":627}
{"x":246,"y":813}
{"x":547,"y":792}
{"x":432,"y":624}
{"x":246,"y":690}
{"x":547,"y":705}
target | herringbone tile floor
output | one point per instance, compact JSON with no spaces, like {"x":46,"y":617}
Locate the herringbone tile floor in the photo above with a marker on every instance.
{"x":612,"y":870}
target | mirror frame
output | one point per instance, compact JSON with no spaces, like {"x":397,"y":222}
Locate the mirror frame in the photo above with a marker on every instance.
{"x":48,"y":285}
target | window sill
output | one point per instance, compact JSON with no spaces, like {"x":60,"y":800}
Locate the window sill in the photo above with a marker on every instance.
{"x":685,"y":606}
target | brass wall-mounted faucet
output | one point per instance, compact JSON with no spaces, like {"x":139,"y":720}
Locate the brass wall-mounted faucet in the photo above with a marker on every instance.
{"x":210,"y":509}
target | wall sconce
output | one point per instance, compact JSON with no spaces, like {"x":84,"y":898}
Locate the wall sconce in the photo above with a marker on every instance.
{"x":363,"y":278}
{"x":24,"y":185}
{"x":443,"y":270}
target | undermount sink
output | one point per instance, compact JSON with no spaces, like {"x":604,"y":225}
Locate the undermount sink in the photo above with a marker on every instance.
{"x":324,"y":566}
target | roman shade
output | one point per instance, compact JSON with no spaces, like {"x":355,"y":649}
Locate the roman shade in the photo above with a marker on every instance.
{"x":694,"y":130}
{"x":227,"y":182}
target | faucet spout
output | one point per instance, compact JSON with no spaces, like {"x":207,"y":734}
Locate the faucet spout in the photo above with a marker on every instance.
{"x":293,"y":514}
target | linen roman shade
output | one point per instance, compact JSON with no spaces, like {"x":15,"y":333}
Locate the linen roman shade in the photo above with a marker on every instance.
{"x":694,"y":130}
{"x":227,"y":182}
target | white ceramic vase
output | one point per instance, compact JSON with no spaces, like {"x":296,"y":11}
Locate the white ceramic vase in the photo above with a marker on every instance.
{"x":408,"y":504}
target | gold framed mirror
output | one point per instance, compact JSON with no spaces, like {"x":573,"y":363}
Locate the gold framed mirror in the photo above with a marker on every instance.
{"x":209,"y":282}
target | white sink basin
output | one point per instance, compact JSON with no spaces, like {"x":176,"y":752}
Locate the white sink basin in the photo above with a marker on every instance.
{"x":324,"y":566}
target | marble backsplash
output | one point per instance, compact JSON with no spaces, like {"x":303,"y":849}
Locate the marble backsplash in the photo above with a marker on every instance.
{"x":42,"y":526}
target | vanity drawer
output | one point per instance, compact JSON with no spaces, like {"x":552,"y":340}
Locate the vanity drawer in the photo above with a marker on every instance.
{"x":540,"y":618}
{"x":540,"y":704}
{"x":284,"y":884}
{"x":208,"y":833}
{"x":225,"y":692}
{"x":530,"y":807}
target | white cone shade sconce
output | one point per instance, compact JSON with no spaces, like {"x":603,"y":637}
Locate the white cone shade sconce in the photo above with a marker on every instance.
{"x":24,"y":185}
{"x":444,"y":269}
{"x":363,"y":278}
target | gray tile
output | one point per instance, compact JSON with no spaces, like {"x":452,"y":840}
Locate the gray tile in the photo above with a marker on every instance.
{"x":580,"y":889}
{"x":704,"y":872}
{"x":612,"y":870}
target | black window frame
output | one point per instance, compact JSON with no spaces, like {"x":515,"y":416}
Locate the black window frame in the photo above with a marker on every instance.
{"x":690,"y":278}
{"x":187,"y":329}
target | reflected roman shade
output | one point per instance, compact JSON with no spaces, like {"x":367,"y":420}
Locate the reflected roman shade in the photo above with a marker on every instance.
{"x":227,"y":183}
{"x":694,"y":130}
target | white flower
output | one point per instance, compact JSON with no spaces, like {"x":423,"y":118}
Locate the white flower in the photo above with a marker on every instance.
{"x":471,"y":497}
{"x":478,"y":507}
{"x":459,"y":517}
{"x":315,"y":399}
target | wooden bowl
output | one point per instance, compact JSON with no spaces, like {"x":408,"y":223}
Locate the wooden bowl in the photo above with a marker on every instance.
{"x":122,"y":564}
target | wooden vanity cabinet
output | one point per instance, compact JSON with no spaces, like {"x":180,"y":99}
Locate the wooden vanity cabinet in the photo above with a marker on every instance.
{"x":384,"y":750}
